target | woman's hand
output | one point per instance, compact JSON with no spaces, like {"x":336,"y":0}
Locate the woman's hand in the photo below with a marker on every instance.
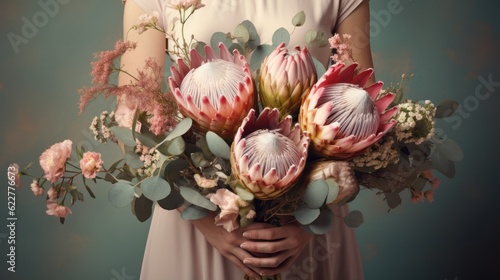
{"x":275,"y":249}
{"x":227,"y":243}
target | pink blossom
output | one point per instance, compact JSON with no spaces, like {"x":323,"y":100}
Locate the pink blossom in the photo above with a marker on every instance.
{"x":186,"y":4}
{"x":427,"y":174}
{"x":52,"y":194}
{"x":35,"y":188}
{"x":54,"y":209}
{"x":53,"y":160}
{"x":416,"y":197}
{"x":204,"y":182}
{"x":429,"y":195}
{"x":229,"y":204}
{"x":343,"y":50}
{"x":91,"y":163}
{"x":101,"y":70}
{"x":435,"y":183}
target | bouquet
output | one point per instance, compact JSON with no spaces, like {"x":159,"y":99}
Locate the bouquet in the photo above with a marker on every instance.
{"x":252,"y":139}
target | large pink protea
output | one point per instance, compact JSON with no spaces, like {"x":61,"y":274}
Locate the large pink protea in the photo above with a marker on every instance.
{"x":268,"y":156}
{"x":217,"y":92}
{"x":285,"y":77}
{"x":343,"y":115}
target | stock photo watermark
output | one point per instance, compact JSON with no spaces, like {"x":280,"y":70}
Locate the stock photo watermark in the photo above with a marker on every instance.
{"x":12,"y":171}
{"x":31,"y":25}
{"x":471,"y":103}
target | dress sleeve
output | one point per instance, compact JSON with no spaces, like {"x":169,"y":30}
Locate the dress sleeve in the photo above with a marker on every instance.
{"x":346,"y":8}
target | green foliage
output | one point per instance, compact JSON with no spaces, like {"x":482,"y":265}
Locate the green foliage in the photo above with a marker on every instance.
{"x":218,"y":146}
{"x":193,"y":212}
{"x":121,"y":194}
{"x":155,"y":188}
{"x":299,"y":19}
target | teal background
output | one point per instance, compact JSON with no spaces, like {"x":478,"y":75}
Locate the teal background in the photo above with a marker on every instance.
{"x":448,"y":45}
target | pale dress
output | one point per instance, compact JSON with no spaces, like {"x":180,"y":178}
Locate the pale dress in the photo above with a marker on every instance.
{"x":177,"y":250}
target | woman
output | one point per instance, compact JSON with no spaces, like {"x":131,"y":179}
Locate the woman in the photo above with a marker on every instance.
{"x":178,"y":249}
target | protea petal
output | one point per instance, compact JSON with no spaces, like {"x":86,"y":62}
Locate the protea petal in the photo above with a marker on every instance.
{"x":268,"y":156}
{"x":342,"y":115}
{"x":217,"y":92}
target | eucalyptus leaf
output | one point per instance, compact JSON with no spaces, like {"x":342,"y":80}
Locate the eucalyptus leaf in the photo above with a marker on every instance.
{"x":173,"y":169}
{"x":323,"y":223}
{"x":316,"y":38}
{"x":124,"y":135}
{"x":218,"y":146}
{"x":450,"y":149}
{"x":442,"y":164}
{"x":254,"y":39}
{"x":281,"y":36}
{"x":133,"y":160}
{"x":446,"y":108}
{"x":174,"y":147}
{"x":299,"y":19}
{"x":354,"y":219}
{"x":142,"y":208}
{"x":315,"y":194}
{"x":114,"y":165}
{"x":196,"y":198}
{"x":220,"y":37}
{"x":393,"y":199}
{"x":306,"y":215}
{"x":236,"y":46}
{"x":180,"y":129}
{"x":241,"y":33}
{"x":419,"y":184}
{"x":259,"y":54}
{"x":121,"y":194}
{"x":155,"y":188}
{"x":320,"y":68}
{"x":193,"y":212}
{"x":148,"y":139}
{"x":333,"y":190}
{"x":173,"y":201}
{"x":199,"y":47}
{"x":244,"y":194}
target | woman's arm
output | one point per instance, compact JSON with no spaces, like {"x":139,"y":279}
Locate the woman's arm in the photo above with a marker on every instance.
{"x":151,"y":43}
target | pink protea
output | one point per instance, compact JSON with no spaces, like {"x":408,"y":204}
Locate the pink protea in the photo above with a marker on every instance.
{"x":268,"y":156}
{"x":343,"y":115}
{"x":91,"y":163}
{"x":285,"y":77}
{"x":53,"y":160}
{"x":216,"y":92}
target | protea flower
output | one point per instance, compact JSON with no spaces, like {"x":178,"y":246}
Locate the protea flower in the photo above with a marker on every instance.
{"x":285,"y":77}
{"x":339,"y":171}
{"x":216,"y":92}
{"x":343,"y":115}
{"x":267,"y":156}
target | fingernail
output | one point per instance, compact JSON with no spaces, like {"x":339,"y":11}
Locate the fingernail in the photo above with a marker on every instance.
{"x":243,"y":245}
{"x":246,"y":234}
{"x":246,"y":261}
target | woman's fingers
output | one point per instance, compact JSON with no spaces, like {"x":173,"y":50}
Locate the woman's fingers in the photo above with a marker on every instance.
{"x":268,"y":233}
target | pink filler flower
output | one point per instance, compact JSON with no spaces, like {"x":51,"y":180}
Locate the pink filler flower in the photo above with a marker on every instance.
{"x":90,"y":164}
{"x":229,"y":204}
{"x":53,"y":160}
